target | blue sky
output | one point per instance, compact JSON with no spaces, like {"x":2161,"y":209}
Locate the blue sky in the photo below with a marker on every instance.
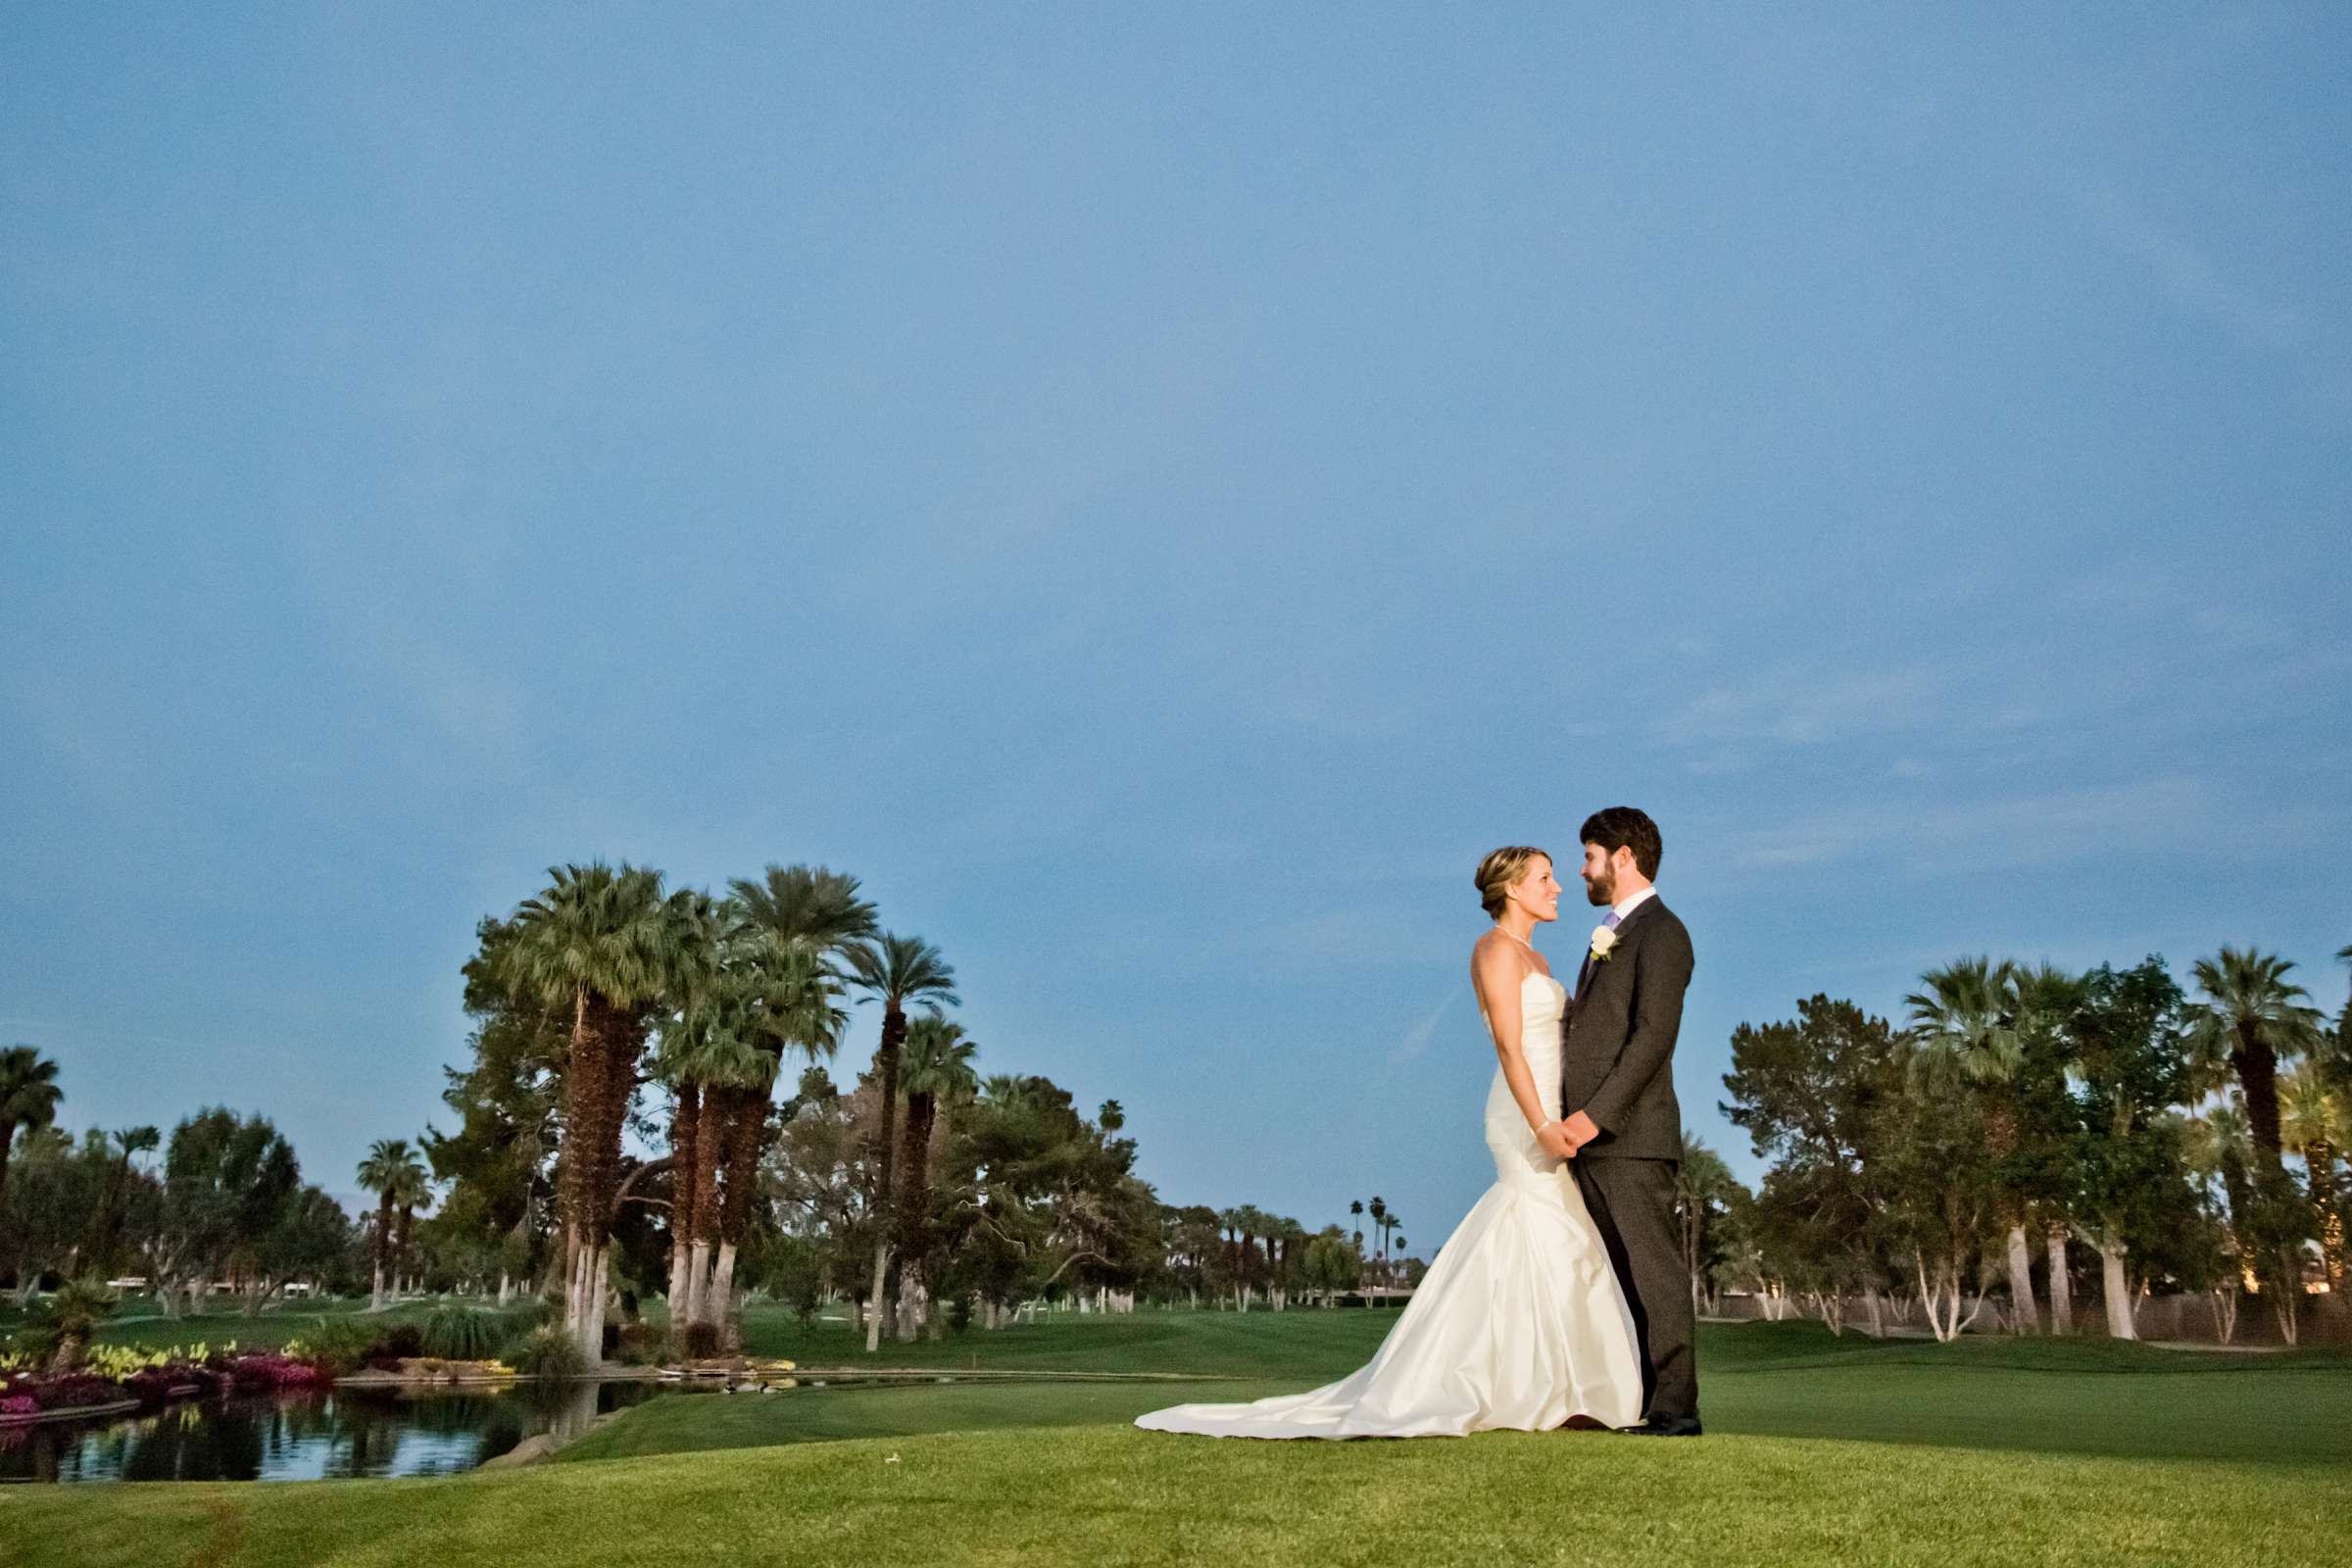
{"x":1157,"y":495}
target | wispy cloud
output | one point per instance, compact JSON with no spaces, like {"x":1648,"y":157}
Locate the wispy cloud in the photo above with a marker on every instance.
{"x":2044,"y":829}
{"x":1798,"y":705}
{"x":1416,"y":1039}
{"x":2188,"y":276}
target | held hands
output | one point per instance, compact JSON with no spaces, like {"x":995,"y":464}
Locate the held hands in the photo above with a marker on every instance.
{"x":1562,"y":1138}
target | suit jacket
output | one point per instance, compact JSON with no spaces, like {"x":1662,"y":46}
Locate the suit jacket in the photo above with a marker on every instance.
{"x":1617,"y":1049}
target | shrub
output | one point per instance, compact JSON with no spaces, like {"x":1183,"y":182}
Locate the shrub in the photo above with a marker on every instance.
{"x":396,"y":1343}
{"x":270,"y":1369}
{"x":341,"y":1345}
{"x":643,"y":1345}
{"x":700,"y":1341}
{"x":547,"y":1351}
{"x":527,"y":1313}
{"x":454,"y":1333}
{"x":74,"y":1390}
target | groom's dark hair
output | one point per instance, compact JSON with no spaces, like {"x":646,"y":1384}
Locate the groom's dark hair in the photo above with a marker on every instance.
{"x":1626,"y":827}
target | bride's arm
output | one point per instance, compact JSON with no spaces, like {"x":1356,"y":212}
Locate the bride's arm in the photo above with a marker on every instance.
{"x":1496,"y":971}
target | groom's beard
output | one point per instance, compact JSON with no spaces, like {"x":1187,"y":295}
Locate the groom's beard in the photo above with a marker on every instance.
{"x":1601,"y":892}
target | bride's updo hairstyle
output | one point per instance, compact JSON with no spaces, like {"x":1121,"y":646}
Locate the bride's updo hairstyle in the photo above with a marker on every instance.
{"x":1499,"y":870}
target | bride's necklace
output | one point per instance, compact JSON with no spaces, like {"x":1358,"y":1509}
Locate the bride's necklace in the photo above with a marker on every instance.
{"x":1522,"y":940}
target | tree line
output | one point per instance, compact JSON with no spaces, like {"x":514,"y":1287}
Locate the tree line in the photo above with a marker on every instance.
{"x":623,"y":1129}
{"x":2024,"y":1123}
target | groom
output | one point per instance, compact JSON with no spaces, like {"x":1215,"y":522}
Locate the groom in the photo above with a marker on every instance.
{"x":1617,"y":1067}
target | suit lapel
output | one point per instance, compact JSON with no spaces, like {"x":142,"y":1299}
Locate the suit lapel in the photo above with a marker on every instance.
{"x":1589,"y":973}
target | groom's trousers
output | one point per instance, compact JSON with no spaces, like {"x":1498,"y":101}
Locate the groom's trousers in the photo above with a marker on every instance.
{"x":1631,"y":1203}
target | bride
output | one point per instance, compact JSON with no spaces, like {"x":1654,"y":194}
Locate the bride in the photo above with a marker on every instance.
{"x":1520,"y":1322}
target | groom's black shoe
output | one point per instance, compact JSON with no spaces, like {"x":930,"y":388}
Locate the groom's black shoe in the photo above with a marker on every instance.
{"x":1680,"y":1427}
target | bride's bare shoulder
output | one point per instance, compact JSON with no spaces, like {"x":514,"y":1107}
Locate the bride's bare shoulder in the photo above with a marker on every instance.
{"x":1495,"y":956}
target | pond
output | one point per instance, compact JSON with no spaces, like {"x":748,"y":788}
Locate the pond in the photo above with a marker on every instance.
{"x":311,"y":1436}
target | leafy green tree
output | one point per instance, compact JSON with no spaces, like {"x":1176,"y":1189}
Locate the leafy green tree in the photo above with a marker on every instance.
{"x":1334,"y":1266}
{"x":2135,"y":1062}
{"x":1031,"y":1194}
{"x":44,"y":1218}
{"x":228,"y":1180}
{"x":1810,"y":1094}
{"x":896,"y":971}
{"x":497,"y":1164}
{"x":1934,"y":1181}
{"x":29,"y":1097}
{"x":308,"y":1241}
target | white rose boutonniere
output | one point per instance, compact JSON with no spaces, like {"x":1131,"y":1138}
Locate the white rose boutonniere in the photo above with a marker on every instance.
{"x":1605,"y":942}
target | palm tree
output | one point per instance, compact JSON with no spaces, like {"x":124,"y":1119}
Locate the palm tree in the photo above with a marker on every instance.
{"x":415,"y":1191}
{"x":937,"y":1073}
{"x":1965,"y":1029}
{"x":2312,"y":1120}
{"x":807,"y":906}
{"x":2216,"y":1147}
{"x":2253,"y":1018}
{"x":893,"y":970}
{"x":73,"y":1315}
{"x":606,"y":946}
{"x":676,"y":1065}
{"x":1963,"y":1023}
{"x":759,"y":992}
{"x":29,"y":1097}
{"x":1250,"y":1222}
{"x":1700,"y":1180}
{"x":129,"y":1141}
{"x":2251,"y":1021}
{"x":392,"y":1171}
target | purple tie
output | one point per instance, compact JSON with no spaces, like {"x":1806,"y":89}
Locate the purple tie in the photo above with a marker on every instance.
{"x":1584,"y":971}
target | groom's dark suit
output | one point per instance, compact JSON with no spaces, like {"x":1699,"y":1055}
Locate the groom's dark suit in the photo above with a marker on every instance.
{"x":1617,"y":1066}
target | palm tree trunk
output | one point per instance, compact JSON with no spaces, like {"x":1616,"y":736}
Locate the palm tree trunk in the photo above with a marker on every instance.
{"x":2062,"y":1293}
{"x":747,"y":1123}
{"x":886,"y":1058}
{"x":2021,"y":1284}
{"x":703,"y":1255}
{"x":383,"y":1243}
{"x":914,"y":1206}
{"x":8,"y":1135}
{"x":685,"y":1131}
{"x":2257,"y":1068}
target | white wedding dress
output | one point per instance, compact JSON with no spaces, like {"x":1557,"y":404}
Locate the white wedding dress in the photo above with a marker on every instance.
{"x":1520,"y":1322}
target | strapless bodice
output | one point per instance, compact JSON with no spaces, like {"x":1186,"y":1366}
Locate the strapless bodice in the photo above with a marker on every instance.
{"x":1518,"y":1157}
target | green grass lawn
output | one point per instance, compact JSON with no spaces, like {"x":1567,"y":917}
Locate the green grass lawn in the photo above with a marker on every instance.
{"x":1821,"y":1450}
{"x":138,"y":1324}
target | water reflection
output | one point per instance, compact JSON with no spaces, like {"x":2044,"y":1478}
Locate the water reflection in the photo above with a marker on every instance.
{"x":309,"y":1435}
